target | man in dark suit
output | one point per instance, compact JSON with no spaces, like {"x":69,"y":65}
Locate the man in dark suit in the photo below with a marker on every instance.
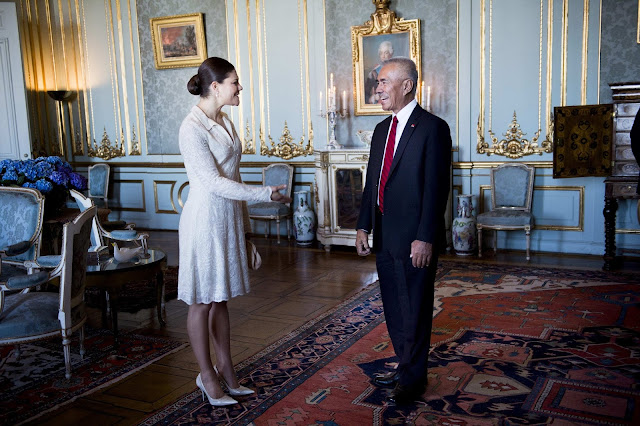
{"x":403,"y":202}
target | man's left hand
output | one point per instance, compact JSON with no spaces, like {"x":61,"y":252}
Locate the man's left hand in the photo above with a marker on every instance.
{"x":421,"y":253}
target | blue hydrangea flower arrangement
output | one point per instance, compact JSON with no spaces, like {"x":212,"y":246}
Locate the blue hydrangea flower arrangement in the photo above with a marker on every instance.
{"x":52,"y":176}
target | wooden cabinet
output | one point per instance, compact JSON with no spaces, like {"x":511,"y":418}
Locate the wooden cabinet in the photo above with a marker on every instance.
{"x":624,"y":177}
{"x":340,"y":179}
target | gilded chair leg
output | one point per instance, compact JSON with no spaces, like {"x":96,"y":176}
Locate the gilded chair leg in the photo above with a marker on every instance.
{"x":479,"y":242}
{"x":278,"y":229}
{"x":495,"y":241}
{"x":528,"y":233}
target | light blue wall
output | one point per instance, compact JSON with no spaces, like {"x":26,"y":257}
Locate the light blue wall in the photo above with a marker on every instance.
{"x":147,"y":188}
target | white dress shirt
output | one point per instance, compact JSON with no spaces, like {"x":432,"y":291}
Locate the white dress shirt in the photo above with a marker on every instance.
{"x":403,"y":116}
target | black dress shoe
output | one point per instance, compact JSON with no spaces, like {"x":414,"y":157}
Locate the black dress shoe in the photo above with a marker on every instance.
{"x":386,"y":380}
{"x":404,"y":395}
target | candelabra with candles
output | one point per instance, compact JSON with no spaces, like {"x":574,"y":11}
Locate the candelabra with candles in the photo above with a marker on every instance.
{"x":332,"y":113}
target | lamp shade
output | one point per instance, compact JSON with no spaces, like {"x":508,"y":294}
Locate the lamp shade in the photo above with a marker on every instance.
{"x":60,"y":95}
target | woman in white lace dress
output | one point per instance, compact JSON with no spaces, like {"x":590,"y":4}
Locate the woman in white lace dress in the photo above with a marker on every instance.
{"x":214,"y":221}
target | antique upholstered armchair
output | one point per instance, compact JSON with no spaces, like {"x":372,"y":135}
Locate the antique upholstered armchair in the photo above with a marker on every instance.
{"x":511,"y":200}
{"x":99,"y":184}
{"x":30,"y":316}
{"x":98,"y":232}
{"x":21,"y":213}
{"x":274,"y":174}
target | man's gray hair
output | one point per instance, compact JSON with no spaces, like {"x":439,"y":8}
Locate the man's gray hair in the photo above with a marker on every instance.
{"x":407,"y":67}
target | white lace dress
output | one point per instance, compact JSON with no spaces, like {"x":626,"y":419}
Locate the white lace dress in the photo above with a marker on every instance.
{"x":213,"y":259}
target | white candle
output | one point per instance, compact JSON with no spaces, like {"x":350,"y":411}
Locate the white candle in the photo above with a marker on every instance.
{"x":423,"y":95}
{"x":320,"y":102}
{"x":344,"y":100}
{"x":333,"y":97}
{"x":428,"y":98}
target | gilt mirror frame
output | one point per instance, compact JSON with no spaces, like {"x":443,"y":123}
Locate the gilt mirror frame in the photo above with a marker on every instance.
{"x":384,"y":33}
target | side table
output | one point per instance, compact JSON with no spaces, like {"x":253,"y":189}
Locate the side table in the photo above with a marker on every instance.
{"x":110,"y":276}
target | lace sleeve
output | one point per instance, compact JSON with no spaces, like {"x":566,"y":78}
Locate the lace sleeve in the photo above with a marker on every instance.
{"x":201,"y":165}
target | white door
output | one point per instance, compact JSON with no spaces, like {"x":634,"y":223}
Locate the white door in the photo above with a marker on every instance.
{"x":14,"y":121}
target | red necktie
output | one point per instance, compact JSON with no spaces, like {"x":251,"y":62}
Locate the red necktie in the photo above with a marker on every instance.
{"x":388,"y":159}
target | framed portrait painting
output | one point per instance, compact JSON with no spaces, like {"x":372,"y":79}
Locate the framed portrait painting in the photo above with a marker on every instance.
{"x":178,"y":41}
{"x":382,"y":38}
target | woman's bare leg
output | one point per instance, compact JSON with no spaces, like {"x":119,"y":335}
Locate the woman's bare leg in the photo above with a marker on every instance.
{"x":221,"y":338}
{"x":198,"y":320}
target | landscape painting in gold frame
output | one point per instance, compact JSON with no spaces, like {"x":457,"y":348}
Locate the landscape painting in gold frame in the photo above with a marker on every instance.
{"x":382,"y":37}
{"x":178,"y":41}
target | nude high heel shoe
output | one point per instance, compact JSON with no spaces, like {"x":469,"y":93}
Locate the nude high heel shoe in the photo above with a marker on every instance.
{"x":239,"y":391}
{"x":217,"y":402}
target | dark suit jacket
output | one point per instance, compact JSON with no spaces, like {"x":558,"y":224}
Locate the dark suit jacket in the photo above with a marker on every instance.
{"x":417,"y":188}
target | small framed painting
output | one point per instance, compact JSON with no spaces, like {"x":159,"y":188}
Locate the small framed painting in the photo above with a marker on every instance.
{"x":178,"y":41}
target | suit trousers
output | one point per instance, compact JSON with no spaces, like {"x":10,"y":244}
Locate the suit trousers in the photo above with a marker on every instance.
{"x":407,"y":298}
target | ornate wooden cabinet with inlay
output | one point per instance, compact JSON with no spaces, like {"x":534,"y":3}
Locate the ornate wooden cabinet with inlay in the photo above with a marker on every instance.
{"x":624,"y":178}
{"x":340,"y":178}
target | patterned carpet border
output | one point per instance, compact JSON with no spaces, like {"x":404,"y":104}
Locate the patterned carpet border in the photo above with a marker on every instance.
{"x":362,"y":312}
{"x":34,"y":384}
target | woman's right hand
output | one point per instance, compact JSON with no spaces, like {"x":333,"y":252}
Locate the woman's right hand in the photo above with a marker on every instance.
{"x":277,"y":196}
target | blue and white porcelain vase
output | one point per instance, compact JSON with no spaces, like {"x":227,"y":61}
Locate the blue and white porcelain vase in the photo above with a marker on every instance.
{"x":463,"y":230}
{"x":304,"y":220}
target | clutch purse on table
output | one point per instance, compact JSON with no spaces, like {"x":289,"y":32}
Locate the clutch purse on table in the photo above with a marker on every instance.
{"x":253,"y":257}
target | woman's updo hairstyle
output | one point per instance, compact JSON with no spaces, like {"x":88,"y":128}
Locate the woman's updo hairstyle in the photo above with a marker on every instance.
{"x":212,"y":69}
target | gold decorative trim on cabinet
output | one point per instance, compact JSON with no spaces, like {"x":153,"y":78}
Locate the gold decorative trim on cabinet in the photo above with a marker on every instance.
{"x":155,"y":196}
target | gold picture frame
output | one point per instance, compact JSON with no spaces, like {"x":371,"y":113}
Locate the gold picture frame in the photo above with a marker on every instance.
{"x":382,"y":37}
{"x":178,"y":41}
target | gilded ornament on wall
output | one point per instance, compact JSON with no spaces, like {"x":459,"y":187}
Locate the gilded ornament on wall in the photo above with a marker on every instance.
{"x":514,"y":145}
{"x":105,"y":150}
{"x":286,"y":149}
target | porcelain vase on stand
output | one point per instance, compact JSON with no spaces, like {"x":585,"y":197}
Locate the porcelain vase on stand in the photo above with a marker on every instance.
{"x":304,"y":220}
{"x":463,"y":230}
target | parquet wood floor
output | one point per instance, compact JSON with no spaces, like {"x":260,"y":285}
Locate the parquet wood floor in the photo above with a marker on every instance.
{"x":293,"y":286}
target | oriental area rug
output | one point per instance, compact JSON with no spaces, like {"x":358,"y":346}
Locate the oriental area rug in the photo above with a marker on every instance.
{"x":32,"y":381}
{"x":510,"y":346}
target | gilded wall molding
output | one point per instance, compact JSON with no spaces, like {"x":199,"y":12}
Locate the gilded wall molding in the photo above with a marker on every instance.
{"x":509,"y":147}
{"x":155,"y":196}
{"x":56,"y":56}
{"x":142,"y":197}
